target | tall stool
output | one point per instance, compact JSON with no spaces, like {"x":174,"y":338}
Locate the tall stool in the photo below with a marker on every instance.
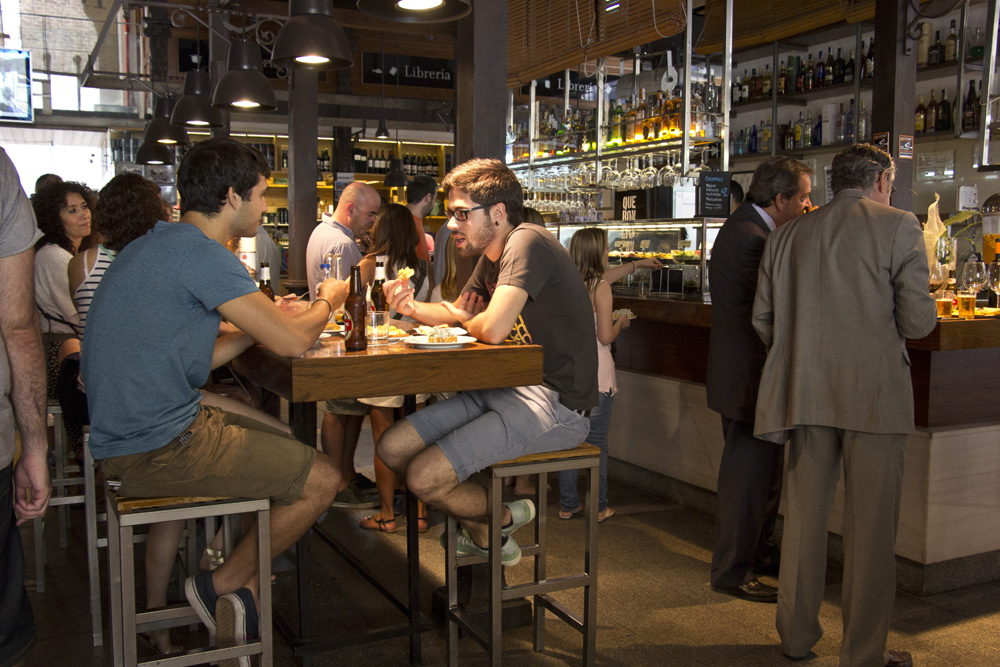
{"x":124,"y":514}
{"x":586,"y":457}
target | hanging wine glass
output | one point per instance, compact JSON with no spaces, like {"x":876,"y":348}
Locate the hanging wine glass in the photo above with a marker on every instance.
{"x":647,"y":177}
{"x":610,"y":175}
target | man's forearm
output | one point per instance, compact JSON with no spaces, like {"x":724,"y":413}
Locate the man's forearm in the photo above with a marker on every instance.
{"x":433,"y":314}
{"x":26,"y":359}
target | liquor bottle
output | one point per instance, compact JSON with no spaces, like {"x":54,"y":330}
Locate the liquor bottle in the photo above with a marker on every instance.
{"x":764,"y":141}
{"x":265,"y":280}
{"x":838,"y":68}
{"x":751,"y":85}
{"x":935,"y":54}
{"x":766,"y":82}
{"x":734,"y":93}
{"x":355,"y":314}
{"x":838,"y":130}
{"x":819,"y":73}
{"x":624,"y":121}
{"x":744,"y":90}
{"x":810,"y":74}
{"x":752,"y":147}
{"x":979,"y":105}
{"x":807,"y":130}
{"x":863,"y":124}
{"x":831,"y":66}
{"x":782,"y":79}
{"x":377,"y":295}
{"x":919,"y":115}
{"x":951,"y":45}
{"x":818,"y":131}
{"x":800,"y":79}
{"x":630,"y":123}
{"x":798,"y":131}
{"x":924,"y":44}
{"x":616,"y":122}
{"x":930,"y":122}
{"x":943,"y":119}
{"x":849,"y":124}
{"x":969,"y":109}
{"x":849,"y":69}
{"x":870,"y":60}
{"x":645,"y":125}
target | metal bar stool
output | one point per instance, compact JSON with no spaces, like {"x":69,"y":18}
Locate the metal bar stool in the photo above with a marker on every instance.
{"x":124,"y":514}
{"x":586,"y":457}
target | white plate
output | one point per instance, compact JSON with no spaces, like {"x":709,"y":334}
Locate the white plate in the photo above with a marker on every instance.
{"x":422,"y":343}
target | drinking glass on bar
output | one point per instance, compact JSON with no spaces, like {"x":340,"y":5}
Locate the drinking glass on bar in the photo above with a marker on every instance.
{"x":966,"y":305}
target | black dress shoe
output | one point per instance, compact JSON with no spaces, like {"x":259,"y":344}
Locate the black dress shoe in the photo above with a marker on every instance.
{"x":899,"y":659}
{"x":755,"y":591}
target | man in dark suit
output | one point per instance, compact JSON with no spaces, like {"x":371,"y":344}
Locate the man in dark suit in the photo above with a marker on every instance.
{"x":749,"y":486}
{"x":839,"y":292}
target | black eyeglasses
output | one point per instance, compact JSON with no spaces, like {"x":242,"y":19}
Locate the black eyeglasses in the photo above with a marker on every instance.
{"x":461,"y":214}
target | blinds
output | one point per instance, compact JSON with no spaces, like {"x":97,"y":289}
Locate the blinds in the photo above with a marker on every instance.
{"x":547,"y":36}
{"x":761,"y":21}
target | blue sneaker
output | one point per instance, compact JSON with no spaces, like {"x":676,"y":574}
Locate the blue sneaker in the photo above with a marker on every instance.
{"x":522,"y":512}
{"x":236,"y":615}
{"x":201,"y":595}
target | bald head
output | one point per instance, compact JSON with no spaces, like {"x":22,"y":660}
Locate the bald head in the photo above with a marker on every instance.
{"x":357,"y":208}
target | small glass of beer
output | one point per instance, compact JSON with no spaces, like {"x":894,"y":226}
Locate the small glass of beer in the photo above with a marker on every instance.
{"x":966,"y":305}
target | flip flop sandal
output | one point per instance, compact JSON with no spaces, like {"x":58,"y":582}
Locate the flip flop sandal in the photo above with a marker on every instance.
{"x":376,"y":522}
{"x":422,"y":525}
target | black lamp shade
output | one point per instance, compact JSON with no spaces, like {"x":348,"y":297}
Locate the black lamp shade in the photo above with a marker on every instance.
{"x":409,"y":11}
{"x":382,"y":132}
{"x":152,"y":152}
{"x":160,"y":130}
{"x":311,"y":38}
{"x":194,"y":108}
{"x":244,"y":87}
{"x":395,"y":178}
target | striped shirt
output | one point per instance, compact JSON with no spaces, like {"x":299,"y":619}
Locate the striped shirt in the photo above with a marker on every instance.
{"x":84,"y":294}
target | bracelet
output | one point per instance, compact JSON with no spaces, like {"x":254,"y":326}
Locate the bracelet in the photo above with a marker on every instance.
{"x":326,"y":302}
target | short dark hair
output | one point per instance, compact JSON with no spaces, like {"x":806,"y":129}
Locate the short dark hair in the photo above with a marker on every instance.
{"x":532,"y":215}
{"x":419,"y":187}
{"x":47,"y":179}
{"x":48,"y":202}
{"x":776,"y":175}
{"x":859,"y":166}
{"x":736,"y":192}
{"x":129,"y":206}
{"x":211,"y":167}
{"x":488,"y":182}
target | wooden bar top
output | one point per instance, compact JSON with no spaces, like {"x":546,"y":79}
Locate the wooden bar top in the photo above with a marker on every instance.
{"x":327,"y":371}
{"x":949,"y":334}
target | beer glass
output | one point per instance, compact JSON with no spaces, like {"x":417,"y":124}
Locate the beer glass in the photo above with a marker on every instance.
{"x":378,"y":327}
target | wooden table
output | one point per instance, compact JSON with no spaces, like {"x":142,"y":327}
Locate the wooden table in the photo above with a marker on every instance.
{"x":326,"y":371}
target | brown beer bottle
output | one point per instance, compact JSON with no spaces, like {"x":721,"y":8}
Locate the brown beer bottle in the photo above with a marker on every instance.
{"x":265,"y":280}
{"x":378,"y":296}
{"x":355,"y":314}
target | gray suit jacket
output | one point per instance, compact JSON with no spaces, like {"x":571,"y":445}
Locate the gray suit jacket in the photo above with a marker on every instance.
{"x":839,"y":291}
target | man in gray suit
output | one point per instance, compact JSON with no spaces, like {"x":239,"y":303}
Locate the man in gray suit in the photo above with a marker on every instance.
{"x":840,"y":290}
{"x":749,"y":486}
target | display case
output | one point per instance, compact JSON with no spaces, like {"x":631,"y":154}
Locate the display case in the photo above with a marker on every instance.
{"x":683,"y":246}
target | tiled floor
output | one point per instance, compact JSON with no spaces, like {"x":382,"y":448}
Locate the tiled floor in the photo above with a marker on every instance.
{"x":655,"y":605}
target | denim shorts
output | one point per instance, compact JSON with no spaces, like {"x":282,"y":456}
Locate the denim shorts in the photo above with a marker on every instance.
{"x":479,"y":428}
{"x":219,"y":454}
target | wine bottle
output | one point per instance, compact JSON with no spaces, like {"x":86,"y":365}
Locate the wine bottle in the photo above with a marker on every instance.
{"x":969,"y":109}
{"x":943,"y":119}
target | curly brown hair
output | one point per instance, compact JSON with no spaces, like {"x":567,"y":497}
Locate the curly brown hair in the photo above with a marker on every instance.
{"x":128,"y":207}
{"x":48,"y":202}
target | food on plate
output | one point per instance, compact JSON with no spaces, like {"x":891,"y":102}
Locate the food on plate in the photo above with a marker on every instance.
{"x":404,"y":273}
{"x":623,"y":312}
{"x":332,"y":327}
{"x":396,"y":332}
{"x":442,"y":336}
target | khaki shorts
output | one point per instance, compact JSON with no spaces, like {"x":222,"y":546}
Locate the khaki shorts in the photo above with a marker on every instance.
{"x":219,"y":454}
{"x":346,"y":406}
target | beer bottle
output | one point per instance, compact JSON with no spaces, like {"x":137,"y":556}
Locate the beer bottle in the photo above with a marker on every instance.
{"x":355,"y":314}
{"x":265,"y":280}
{"x":378,"y":296}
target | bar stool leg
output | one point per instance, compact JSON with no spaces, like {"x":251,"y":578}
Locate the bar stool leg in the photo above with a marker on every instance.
{"x":451,"y":584}
{"x":93,"y":568}
{"x":59,"y":431}
{"x":128,"y":596}
{"x":541,"y":535}
{"x":495,"y":500}
{"x":264,"y":569}
{"x":590,"y":566}
{"x":115,"y":582}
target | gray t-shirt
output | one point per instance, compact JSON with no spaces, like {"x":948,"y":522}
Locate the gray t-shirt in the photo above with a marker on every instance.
{"x":558,"y":314}
{"x":151,"y":332}
{"x":330,"y":236}
{"x":18,"y":232}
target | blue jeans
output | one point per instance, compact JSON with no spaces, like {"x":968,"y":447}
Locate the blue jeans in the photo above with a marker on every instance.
{"x":600,"y":422}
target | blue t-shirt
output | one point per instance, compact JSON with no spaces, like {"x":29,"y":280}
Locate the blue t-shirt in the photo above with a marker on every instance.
{"x":151,"y":332}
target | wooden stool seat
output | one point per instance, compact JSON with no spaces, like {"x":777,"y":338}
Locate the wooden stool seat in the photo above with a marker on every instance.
{"x":129,"y":505}
{"x":584,"y":457}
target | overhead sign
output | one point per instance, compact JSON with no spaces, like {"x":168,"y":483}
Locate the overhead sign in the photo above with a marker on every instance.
{"x":405,"y":70}
{"x":713,"y":194}
{"x":630,"y":205}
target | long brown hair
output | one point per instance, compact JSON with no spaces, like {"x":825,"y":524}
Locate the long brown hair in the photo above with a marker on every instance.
{"x":395,"y":235}
{"x":587,"y":248}
{"x":449,"y":282}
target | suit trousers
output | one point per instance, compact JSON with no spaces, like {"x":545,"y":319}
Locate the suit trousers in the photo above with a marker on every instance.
{"x":873,"y":475}
{"x":749,"y":491}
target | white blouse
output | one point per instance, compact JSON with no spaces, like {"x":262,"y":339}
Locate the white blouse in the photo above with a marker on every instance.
{"x":52,"y":289}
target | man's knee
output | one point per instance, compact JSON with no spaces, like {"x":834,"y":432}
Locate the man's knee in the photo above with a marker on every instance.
{"x":398,"y":445}
{"x":323,"y":479}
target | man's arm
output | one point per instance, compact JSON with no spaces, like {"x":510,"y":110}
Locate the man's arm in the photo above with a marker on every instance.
{"x":23,"y":342}
{"x":763,"y":305}
{"x":400,"y":298}
{"x":287,"y":335}
{"x":916,"y":314}
{"x":493,"y":324}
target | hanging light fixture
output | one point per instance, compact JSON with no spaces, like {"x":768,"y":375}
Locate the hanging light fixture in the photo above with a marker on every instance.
{"x":244,"y":87}
{"x":194,"y":108}
{"x":394,"y":178}
{"x":159,"y":128}
{"x":382,"y":132}
{"x":153,"y":152}
{"x":311,"y":38}
{"x":416,"y":11}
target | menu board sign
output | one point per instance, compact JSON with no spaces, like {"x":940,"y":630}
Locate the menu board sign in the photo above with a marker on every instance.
{"x":713,"y":194}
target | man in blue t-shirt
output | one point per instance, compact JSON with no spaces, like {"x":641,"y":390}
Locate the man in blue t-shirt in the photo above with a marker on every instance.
{"x":153,"y":337}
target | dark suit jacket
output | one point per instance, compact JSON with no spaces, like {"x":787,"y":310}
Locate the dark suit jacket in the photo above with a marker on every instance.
{"x":735,"y":353}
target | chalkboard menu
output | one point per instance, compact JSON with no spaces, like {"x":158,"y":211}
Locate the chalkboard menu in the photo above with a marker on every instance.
{"x":713,"y":194}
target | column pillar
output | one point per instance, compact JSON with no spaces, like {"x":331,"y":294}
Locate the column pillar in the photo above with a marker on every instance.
{"x":303,"y":129}
{"x":481,"y":82}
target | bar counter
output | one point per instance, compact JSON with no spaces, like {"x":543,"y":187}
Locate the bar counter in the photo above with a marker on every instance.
{"x":949,"y":533}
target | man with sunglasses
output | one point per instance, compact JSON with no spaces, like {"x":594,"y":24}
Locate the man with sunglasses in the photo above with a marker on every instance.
{"x":527,"y":290}
{"x":840,"y":290}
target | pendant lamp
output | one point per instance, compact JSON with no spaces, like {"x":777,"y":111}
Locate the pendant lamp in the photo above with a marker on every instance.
{"x":244,"y":87}
{"x":194,"y":108}
{"x":416,"y":11}
{"x":311,"y":38}
{"x":159,"y":128}
{"x":395,"y":178}
{"x":153,"y":152}
{"x":382,"y":132}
